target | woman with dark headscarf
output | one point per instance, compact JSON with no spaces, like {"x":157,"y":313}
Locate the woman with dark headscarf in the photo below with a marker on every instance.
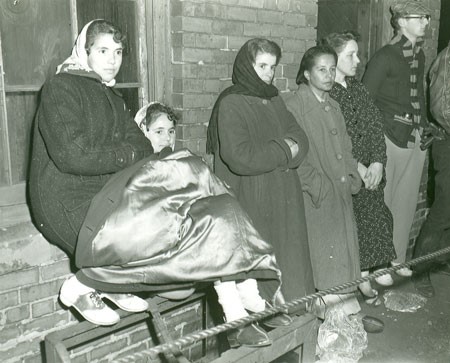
{"x":257,"y":145}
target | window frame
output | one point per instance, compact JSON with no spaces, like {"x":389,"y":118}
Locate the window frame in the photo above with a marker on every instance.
{"x":152,"y":19}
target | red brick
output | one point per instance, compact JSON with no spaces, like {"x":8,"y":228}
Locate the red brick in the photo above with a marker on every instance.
{"x":9,"y":299}
{"x":270,"y":17}
{"x":256,"y":30}
{"x":191,"y":131}
{"x":18,"y":313}
{"x":106,"y":349}
{"x":9,"y":332}
{"x":55,"y":270}
{"x":227,"y":27}
{"x":224,"y":56}
{"x":256,"y":3}
{"x":185,"y":70}
{"x":183,"y":40}
{"x":198,"y":100}
{"x":19,"y":278}
{"x":42,"y":308}
{"x":242,"y":14}
{"x":294,"y":19}
{"x":20,"y":349}
{"x":196,"y":116}
{"x":196,"y":25}
{"x":194,"y":55}
{"x":41,"y":291}
{"x":282,"y":5}
{"x":214,"y":71}
{"x":210,"y":41}
{"x":47,"y":322}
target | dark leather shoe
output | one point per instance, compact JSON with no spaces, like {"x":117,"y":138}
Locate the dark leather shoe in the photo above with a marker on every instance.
{"x":277,"y":320}
{"x":250,"y":336}
{"x":372,"y":324}
{"x":423,"y":285}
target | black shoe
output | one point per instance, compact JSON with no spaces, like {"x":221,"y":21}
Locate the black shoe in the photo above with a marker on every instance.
{"x":250,"y":336}
{"x":423,"y":285}
{"x":372,"y":324}
{"x":277,"y":320}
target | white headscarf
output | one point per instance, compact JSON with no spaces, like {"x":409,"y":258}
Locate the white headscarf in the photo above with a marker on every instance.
{"x":78,"y":60}
{"x":140,"y":115}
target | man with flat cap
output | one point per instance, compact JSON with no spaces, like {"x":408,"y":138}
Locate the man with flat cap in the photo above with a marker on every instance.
{"x":394,"y":78}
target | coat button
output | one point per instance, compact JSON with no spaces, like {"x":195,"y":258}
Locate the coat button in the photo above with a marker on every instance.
{"x":343,"y":179}
{"x":334,"y":131}
{"x":327,"y":108}
{"x":264,"y":102}
{"x":339,"y":156}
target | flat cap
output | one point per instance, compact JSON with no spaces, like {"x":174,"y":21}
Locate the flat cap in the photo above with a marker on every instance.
{"x":409,"y":7}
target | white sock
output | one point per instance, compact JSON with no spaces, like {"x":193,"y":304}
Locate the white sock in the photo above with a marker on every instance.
{"x":249,"y":293}
{"x":229,"y":300}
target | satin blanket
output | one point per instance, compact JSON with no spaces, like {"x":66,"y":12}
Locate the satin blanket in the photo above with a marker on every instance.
{"x":168,"y":221}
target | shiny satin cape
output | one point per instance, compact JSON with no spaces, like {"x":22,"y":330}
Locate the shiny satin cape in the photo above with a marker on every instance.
{"x":168,"y":221}
{"x":245,"y":82}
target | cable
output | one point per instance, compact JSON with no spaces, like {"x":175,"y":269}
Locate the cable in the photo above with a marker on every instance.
{"x":191,"y":338}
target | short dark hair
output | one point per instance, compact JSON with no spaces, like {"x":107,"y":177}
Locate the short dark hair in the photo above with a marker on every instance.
{"x":309,"y":59}
{"x":394,"y":21}
{"x":261,"y":45}
{"x":338,"y":41}
{"x":98,"y":27}
{"x":154,"y":111}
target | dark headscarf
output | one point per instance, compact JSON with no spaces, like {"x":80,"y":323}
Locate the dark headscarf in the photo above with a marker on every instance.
{"x":245,"y":82}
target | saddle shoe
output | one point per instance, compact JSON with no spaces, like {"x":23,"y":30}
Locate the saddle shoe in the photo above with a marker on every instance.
{"x":87,"y":302}
{"x":127,"y":302}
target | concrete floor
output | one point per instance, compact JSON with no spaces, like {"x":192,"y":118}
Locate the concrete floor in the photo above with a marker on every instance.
{"x":422,"y":336}
{"x":412,"y":337}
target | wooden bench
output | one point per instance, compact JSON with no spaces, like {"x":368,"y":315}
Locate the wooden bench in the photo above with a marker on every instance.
{"x":299,"y":336}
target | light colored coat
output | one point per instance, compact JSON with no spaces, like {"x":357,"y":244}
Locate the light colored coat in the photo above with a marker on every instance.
{"x":329,"y":177}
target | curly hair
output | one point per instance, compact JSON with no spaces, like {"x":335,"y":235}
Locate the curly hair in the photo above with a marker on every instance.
{"x":103,"y":27}
{"x":154,"y":111}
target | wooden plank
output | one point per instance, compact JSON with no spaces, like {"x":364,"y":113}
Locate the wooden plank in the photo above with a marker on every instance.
{"x":59,"y":342}
{"x":5,"y":160}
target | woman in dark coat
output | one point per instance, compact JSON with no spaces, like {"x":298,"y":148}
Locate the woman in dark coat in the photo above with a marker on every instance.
{"x":365,"y":127}
{"x":83,"y":134}
{"x":257,"y":146}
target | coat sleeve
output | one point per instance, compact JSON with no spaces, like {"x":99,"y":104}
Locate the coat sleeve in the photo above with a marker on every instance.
{"x":296,"y":133}
{"x":350,"y":162}
{"x":375,"y":129}
{"x":71,"y":148}
{"x":376,"y":71}
{"x":242,"y":155}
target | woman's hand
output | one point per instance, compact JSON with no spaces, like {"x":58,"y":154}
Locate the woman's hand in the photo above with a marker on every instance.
{"x":374,"y":175}
{"x":293,"y":146}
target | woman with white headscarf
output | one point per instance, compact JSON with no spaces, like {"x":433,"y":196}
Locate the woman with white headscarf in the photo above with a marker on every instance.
{"x":83,"y":135}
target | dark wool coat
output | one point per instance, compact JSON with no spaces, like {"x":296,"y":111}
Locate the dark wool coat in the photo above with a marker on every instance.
{"x":256,"y":162}
{"x":329,"y":177}
{"x":83,"y":134}
{"x":387,"y":78}
{"x":365,"y":128}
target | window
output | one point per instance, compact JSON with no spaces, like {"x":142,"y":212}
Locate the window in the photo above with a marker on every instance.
{"x":37,"y":36}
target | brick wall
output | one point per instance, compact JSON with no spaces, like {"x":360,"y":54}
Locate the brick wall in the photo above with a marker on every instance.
{"x":205,"y":37}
